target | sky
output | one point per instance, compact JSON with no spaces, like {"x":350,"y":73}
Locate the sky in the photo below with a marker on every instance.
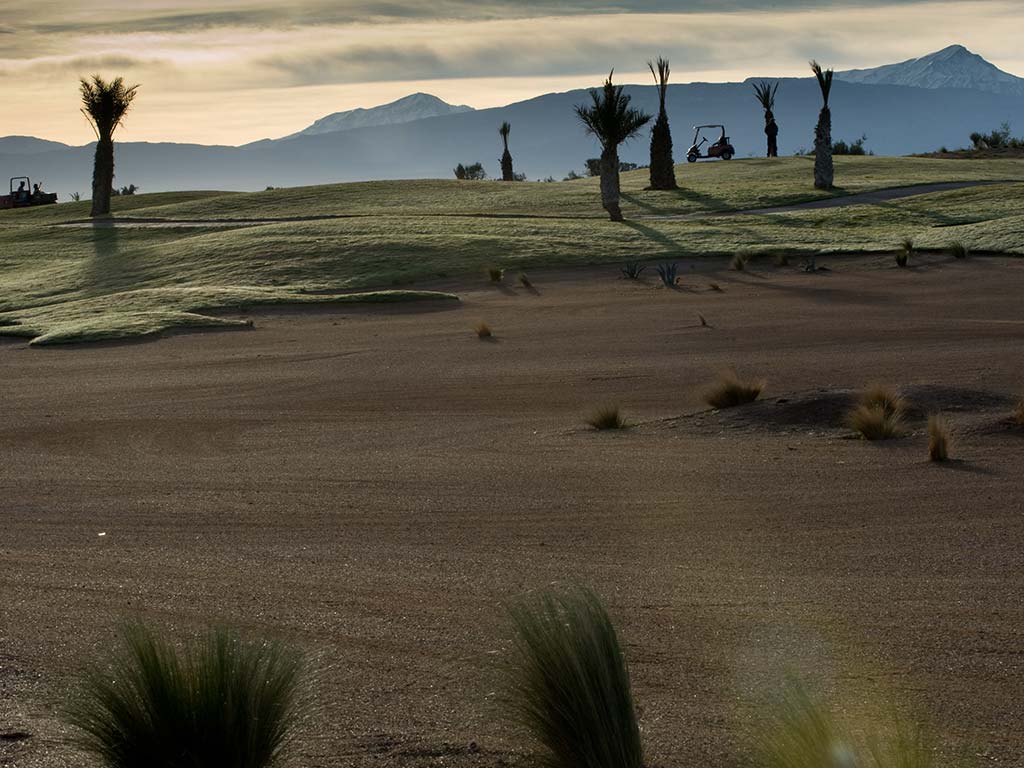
{"x":234,"y":71}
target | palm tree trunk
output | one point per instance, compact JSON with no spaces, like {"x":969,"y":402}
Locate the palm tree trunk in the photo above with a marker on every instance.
{"x":102,"y":176}
{"x":824,"y":172}
{"x":663,"y":172}
{"x":610,"y":183}
{"x":507,"y":173}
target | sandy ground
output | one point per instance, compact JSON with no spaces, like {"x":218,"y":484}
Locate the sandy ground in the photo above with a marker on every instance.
{"x":372,"y":484}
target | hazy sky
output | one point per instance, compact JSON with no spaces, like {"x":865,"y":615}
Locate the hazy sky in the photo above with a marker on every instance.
{"x":232,"y":71}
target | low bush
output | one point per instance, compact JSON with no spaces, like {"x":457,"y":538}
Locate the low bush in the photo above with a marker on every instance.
{"x":495,"y":274}
{"x":904,"y":253}
{"x":483,"y":330}
{"x":958,"y":250}
{"x":739,"y":261}
{"x":570,"y":683}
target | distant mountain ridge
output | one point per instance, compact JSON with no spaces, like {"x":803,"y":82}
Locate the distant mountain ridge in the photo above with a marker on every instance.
{"x":547,"y":138}
{"x":416,"y":106}
{"x":952,"y":67}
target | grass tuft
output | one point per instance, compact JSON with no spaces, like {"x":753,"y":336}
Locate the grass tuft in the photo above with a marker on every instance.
{"x":667,"y":273}
{"x":524,"y":280}
{"x":739,"y":261}
{"x":483,"y":330}
{"x":905,"y":252}
{"x":959,"y":250}
{"x":495,"y":274}
{"x":222,"y":702}
{"x":570,"y":683}
{"x":607,"y":417}
{"x":804,"y":733}
{"x":633,"y":270}
{"x":878,"y":415}
{"x":730,"y":391}
{"x":939,"y":438}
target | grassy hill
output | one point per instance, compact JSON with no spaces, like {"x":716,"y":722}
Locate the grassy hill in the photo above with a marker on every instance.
{"x":69,"y":282}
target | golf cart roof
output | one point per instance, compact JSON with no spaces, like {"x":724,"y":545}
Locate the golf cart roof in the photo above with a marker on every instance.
{"x":698,"y":127}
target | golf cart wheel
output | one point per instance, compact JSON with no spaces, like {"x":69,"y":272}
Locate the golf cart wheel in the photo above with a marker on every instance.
{"x":691,"y":158}
{"x":727,"y":155}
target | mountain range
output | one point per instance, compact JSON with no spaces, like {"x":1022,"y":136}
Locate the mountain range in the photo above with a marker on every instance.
{"x":916,"y":106}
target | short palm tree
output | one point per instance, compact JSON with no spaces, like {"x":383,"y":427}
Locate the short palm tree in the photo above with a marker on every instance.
{"x":506,"y":159}
{"x":766,"y":96}
{"x":663,"y":171}
{"x":105,"y":104}
{"x":824,"y":172}
{"x":610,"y":118}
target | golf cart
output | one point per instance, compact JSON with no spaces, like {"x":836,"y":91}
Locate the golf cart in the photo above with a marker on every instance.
{"x":721,"y":148}
{"x":23,"y":196}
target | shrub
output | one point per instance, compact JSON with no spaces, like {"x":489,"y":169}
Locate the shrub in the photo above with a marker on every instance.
{"x":633,"y":270}
{"x":730,"y":391}
{"x":850,"y":148}
{"x":495,"y":274}
{"x":483,"y":330}
{"x":474,"y":172}
{"x":959,"y":250}
{"x":739,"y":261}
{"x":905,"y":252}
{"x":607,"y":417}
{"x":939,"y":438}
{"x":667,"y":273}
{"x":570,"y":683}
{"x":222,"y":703}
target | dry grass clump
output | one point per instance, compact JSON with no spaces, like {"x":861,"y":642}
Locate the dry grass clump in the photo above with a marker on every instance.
{"x":221,"y":702}
{"x":524,"y":280}
{"x":805,"y":733}
{"x":879,"y":415}
{"x":607,"y":417}
{"x":939,"y":438}
{"x":905,"y":252}
{"x":730,"y":391}
{"x":495,"y":274}
{"x":570,"y":683}
{"x":739,"y":261}
{"x":959,"y":250}
{"x":483,"y":330}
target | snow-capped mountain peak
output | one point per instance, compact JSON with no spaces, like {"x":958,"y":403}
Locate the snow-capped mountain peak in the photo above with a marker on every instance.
{"x":952,"y":67}
{"x":416,"y":106}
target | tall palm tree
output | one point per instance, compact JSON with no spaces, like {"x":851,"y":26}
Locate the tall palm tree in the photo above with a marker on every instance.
{"x":610,"y":118}
{"x":663,"y":171}
{"x":506,"y":158}
{"x":105,"y":104}
{"x":824,"y":172}
{"x":766,"y":96}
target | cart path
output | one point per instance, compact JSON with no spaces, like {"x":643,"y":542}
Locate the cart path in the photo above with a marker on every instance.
{"x":860,"y":198}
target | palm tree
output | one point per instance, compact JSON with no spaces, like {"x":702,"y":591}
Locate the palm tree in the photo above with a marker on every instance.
{"x":663,"y":171}
{"x":105,"y":104}
{"x":506,"y":158}
{"x":824,"y":172}
{"x":766,"y":96}
{"x":610,"y":118}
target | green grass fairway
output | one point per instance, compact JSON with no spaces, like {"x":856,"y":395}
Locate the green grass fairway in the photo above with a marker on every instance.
{"x":73,"y":283}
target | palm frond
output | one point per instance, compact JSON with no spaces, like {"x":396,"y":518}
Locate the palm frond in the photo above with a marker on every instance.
{"x":504,"y":131}
{"x":609,"y":116}
{"x":105,"y":104}
{"x":824,"y":79}
{"x":661,"y":71}
{"x":766,"y":94}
